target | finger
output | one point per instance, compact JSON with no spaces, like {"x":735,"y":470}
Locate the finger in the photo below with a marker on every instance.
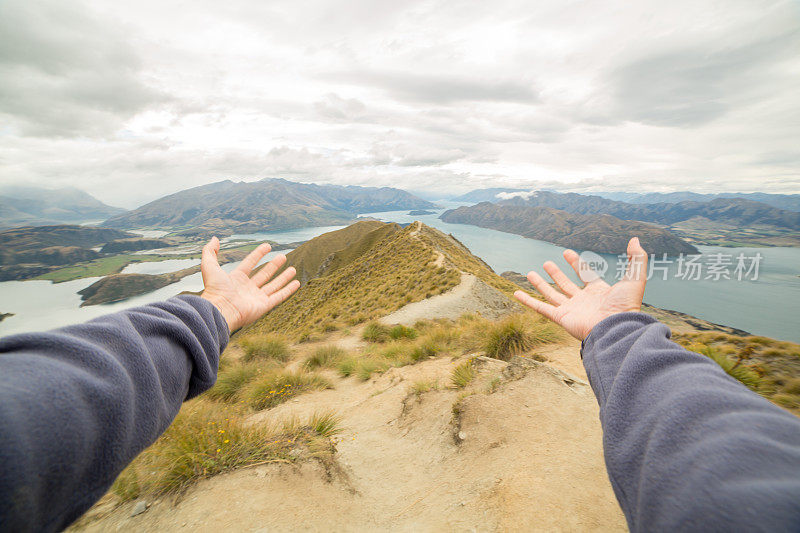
{"x":637,"y":262}
{"x":208,"y":260}
{"x":561,"y":279}
{"x":281,"y":296}
{"x":584,"y":271}
{"x":539,"y":306}
{"x":547,"y":290}
{"x":284,"y":278}
{"x":253,"y":258}
{"x":268,"y":270}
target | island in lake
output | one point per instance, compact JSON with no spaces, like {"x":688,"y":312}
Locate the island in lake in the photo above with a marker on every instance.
{"x":420,"y":212}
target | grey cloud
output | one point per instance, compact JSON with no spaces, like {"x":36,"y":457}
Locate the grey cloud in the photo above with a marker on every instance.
{"x":443,"y":89}
{"x":693,"y":85}
{"x":65,"y":73}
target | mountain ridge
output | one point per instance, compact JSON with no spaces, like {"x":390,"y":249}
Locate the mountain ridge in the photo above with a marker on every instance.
{"x":37,"y":206}
{"x":270,"y":204}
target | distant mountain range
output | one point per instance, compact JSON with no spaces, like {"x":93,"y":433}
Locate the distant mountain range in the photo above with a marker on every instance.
{"x":598,"y":233}
{"x":732,"y":211}
{"x":35,"y":206}
{"x":486,"y":195}
{"x":271,"y":204}
{"x":789,"y":202}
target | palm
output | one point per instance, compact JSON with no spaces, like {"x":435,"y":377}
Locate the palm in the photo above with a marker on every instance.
{"x":241,"y":298}
{"x":577,"y":309}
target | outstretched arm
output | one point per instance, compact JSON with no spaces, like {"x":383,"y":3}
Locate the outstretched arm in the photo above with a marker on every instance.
{"x":77,"y":404}
{"x":686,"y":446}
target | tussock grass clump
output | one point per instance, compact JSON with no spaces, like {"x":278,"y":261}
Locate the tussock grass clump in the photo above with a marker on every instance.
{"x":265,"y":347}
{"x":422,"y":386}
{"x":347,"y":367}
{"x":208,"y":439}
{"x":463,"y":374}
{"x":740,"y":372}
{"x":402,"y":332}
{"x":376,"y":332}
{"x":518,"y":334}
{"x":325,"y":356}
{"x":230,"y":382}
{"x":508,"y":338}
{"x":368,"y":366}
{"x":277,"y":387}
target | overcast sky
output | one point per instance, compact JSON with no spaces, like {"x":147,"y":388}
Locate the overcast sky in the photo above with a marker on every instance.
{"x":134,"y":100}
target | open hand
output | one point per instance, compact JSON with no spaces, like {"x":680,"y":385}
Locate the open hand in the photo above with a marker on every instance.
{"x":577,"y":309}
{"x":240,"y":298}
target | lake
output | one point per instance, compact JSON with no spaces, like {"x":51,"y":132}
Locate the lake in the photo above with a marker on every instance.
{"x":769,"y":306}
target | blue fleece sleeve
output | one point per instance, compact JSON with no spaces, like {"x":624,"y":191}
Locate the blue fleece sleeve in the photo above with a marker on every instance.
{"x":687,"y":447}
{"x":77,"y":404}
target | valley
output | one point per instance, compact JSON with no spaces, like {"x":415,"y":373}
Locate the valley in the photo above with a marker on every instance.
{"x":363,"y":403}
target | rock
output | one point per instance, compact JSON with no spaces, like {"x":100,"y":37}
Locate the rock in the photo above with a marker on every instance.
{"x":462,"y":435}
{"x":139,"y":508}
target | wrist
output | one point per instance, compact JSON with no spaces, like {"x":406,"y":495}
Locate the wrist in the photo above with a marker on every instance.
{"x":227,"y":310}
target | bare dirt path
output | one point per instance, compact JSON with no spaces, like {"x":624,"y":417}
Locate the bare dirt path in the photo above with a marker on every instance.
{"x":529,"y":459}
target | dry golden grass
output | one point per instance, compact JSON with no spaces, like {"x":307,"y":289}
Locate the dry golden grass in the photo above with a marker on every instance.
{"x":265,"y":347}
{"x":325,"y":356}
{"x":394,"y":271}
{"x":207,"y":439}
{"x":767,"y":366}
{"x":276,"y":387}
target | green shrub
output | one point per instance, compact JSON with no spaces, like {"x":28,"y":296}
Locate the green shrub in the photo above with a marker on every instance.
{"x":375,"y":332}
{"x":508,"y":338}
{"x":368,"y":366}
{"x":325,"y":356}
{"x":347,"y":366}
{"x":463,"y":374}
{"x":230,"y":381}
{"x":423,"y":349}
{"x":402,"y":332}
{"x":265,"y":347}
{"x":737,"y":371}
{"x":274,"y":389}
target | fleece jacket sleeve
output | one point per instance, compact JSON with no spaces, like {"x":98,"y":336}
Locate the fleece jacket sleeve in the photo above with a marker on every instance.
{"x":687,"y":447}
{"x":77,"y":404}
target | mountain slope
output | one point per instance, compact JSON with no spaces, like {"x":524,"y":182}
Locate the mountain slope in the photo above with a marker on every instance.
{"x":731,"y":211}
{"x":35,"y":206}
{"x":373,"y":276}
{"x":598,"y":233}
{"x":265,"y":205}
{"x":331,"y":250}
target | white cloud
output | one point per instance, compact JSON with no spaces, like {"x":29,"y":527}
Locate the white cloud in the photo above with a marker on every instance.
{"x":131,"y":101}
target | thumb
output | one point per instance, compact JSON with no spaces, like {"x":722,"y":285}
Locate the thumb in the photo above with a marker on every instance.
{"x":637,"y":262}
{"x":209,"y":262}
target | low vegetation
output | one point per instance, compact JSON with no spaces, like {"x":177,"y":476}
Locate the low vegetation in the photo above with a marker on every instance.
{"x":230,"y":382}
{"x":265,"y":347}
{"x":206,"y":439}
{"x":764,"y":365}
{"x":325,"y":356}
{"x":277,"y":387}
{"x":518,"y":334}
{"x":463,"y":374}
{"x":392,"y":272}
